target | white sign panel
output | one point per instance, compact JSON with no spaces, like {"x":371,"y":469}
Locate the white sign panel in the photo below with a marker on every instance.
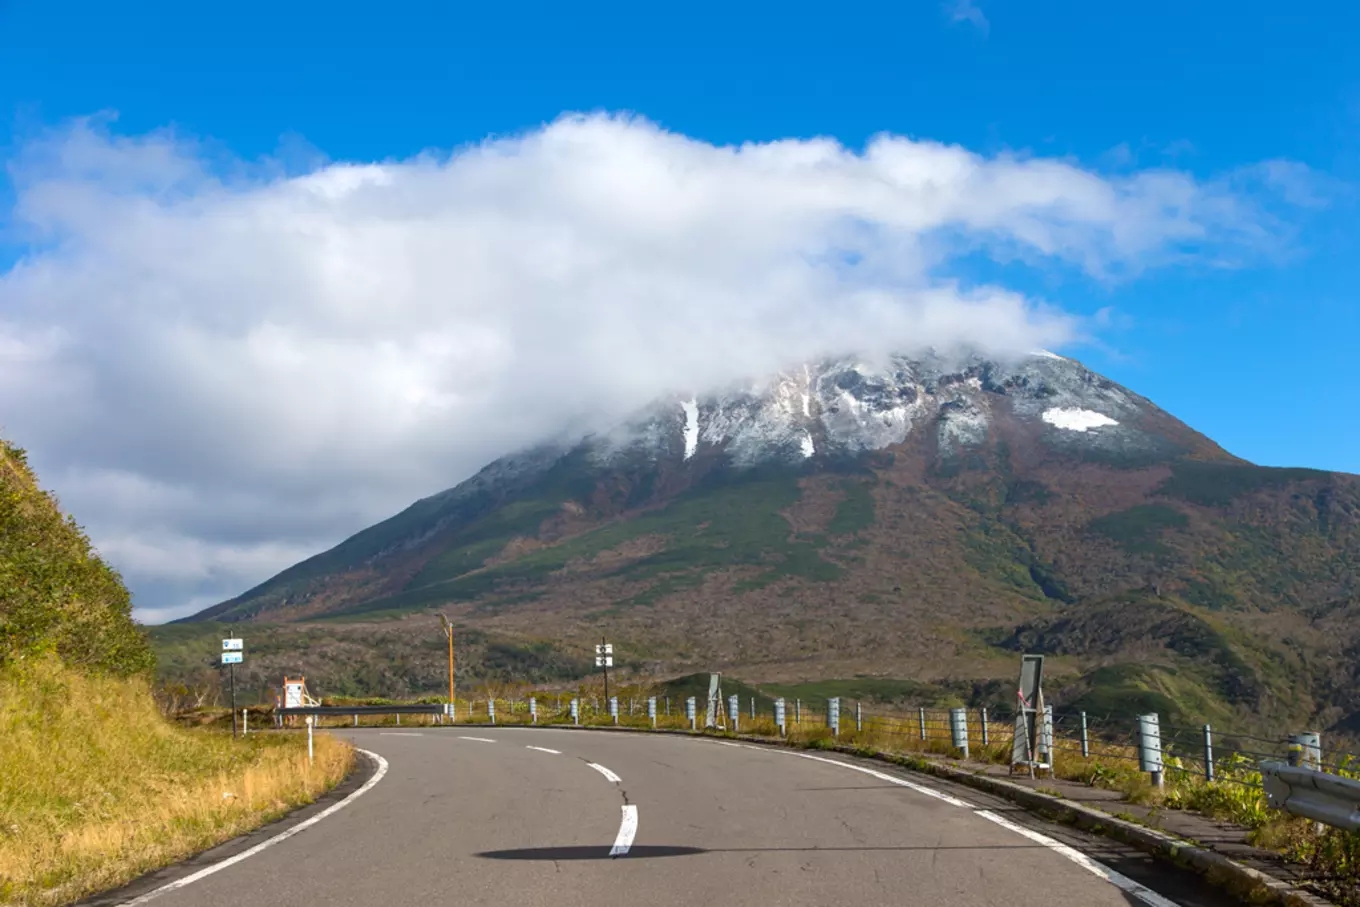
{"x":232,"y":645}
{"x":605,"y":649}
{"x":231,"y":658}
{"x":604,"y":661}
{"x":292,"y":695}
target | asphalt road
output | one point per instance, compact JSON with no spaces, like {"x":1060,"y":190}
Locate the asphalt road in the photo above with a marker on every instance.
{"x":530,"y":816}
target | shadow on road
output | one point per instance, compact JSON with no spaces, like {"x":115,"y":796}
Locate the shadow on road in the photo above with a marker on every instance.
{"x":646,"y":851}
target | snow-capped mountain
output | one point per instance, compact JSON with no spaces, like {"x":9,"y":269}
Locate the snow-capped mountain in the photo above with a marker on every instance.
{"x":847,"y":406}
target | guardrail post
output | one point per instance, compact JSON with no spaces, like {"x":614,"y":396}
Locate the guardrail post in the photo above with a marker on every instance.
{"x":958,"y":725}
{"x":833,"y":715}
{"x":692,"y":713}
{"x":651,"y":709}
{"x":922,"y":717}
{"x":1150,"y":747}
{"x":576,"y":711}
{"x":614,"y":708}
{"x":986,"y":734}
{"x":1085,"y":739}
{"x":734,"y":710}
{"x":779,"y":717}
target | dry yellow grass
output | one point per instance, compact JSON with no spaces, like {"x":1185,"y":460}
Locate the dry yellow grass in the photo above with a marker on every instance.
{"x":97,"y":788}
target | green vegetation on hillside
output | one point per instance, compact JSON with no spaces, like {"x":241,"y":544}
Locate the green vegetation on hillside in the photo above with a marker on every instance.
{"x":1138,"y":530}
{"x":56,"y":595}
{"x":1218,"y":484}
{"x":713,"y":527}
{"x":96,"y":787}
{"x":856,"y":511}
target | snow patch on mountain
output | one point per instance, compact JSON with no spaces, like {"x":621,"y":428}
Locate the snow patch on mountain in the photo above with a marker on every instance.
{"x":808,"y":447}
{"x":691,"y":408}
{"x":1077,"y":419}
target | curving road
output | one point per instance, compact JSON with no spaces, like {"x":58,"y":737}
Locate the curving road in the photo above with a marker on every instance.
{"x":528,"y":816}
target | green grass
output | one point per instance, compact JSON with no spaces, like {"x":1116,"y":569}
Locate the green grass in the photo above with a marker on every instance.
{"x":1138,"y":530}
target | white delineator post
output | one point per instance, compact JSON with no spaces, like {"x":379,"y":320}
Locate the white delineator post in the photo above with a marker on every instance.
{"x":245,"y":729}
{"x":311,"y":719}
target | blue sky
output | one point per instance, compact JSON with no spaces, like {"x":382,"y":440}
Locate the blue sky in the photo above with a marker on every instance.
{"x":1251,"y":343}
{"x":1256,"y":357}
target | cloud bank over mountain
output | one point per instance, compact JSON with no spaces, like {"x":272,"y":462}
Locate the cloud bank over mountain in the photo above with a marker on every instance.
{"x":224,"y":366}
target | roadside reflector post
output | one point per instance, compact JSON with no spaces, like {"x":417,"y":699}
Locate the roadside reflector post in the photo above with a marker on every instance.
{"x":491,"y":710}
{"x":651,"y":709}
{"x":1085,"y":738}
{"x":753,"y":708}
{"x":245,"y":725}
{"x":1208,"y":753}
{"x":958,"y":727}
{"x":922,"y":720}
{"x":310,"y":757}
{"x":356,"y":719}
{"x":692,"y":713}
{"x":798,"y":711}
{"x":779,"y":717}
{"x":833,"y":715}
{"x":614,"y":708}
{"x":734,"y":709}
{"x":986,"y":735}
{"x":1150,"y":747}
{"x":1305,"y":750}
{"x":576,"y":712}
{"x":859,"y":716}
{"x":533,"y":710}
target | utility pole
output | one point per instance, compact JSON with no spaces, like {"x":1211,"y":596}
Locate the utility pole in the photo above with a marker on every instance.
{"x":448,"y":631}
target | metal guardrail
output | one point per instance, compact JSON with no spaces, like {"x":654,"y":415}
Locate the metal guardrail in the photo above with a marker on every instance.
{"x":418,"y":709}
{"x":1331,"y":799}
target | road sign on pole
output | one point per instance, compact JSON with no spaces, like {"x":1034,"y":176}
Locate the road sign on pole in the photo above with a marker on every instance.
{"x":233,"y":652}
{"x":604,"y":660}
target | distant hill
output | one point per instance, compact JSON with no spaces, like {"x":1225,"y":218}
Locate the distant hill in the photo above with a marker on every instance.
{"x":56,"y":595}
{"x":916,"y":519}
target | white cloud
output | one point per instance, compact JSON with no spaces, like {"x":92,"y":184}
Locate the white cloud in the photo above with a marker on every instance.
{"x":220,"y":366}
{"x":967,"y":11}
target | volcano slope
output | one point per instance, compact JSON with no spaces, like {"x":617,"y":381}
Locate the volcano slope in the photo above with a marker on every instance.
{"x":912,"y":518}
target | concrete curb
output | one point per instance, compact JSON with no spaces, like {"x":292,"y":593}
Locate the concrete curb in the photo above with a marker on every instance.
{"x":1250,"y":885}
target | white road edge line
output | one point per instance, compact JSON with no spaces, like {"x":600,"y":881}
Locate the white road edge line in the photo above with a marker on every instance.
{"x":607,"y":773}
{"x":544,"y":749}
{"x":627,"y":829}
{"x":478,"y":739}
{"x":1119,"y":880}
{"x":398,"y":734}
{"x":281,"y":836}
{"x":901,"y":782}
